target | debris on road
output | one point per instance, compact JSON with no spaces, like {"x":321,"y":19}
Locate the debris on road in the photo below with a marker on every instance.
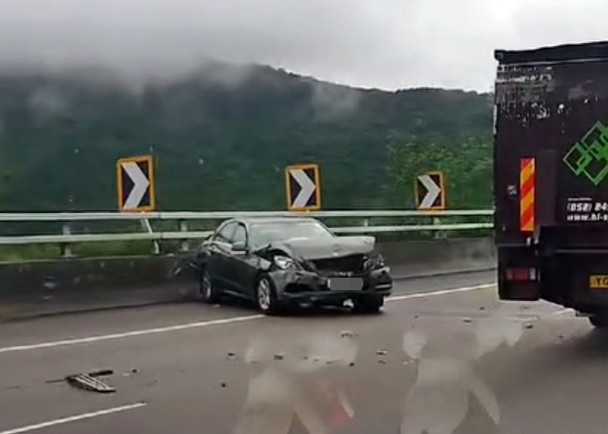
{"x":223,"y":385}
{"x":467,"y":320}
{"x":279,"y":357}
{"x":382,"y":361}
{"x":482,"y":308}
{"x":346,"y":334}
{"x":529,"y":326}
{"x":232,"y":356}
{"x":89,"y":383}
{"x":130,"y":372}
{"x":351,"y":364}
{"x":381,"y":353}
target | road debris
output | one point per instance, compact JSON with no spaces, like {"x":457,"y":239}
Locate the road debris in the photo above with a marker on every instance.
{"x":89,"y":383}
{"x":223,"y":385}
{"x":381,"y":353}
{"x":351,"y":364}
{"x":346,"y":334}
{"x":382,"y":361}
{"x":467,"y":320}
{"x":130,"y":372}
{"x":279,"y":357}
{"x":231,"y":356}
{"x":529,"y":326}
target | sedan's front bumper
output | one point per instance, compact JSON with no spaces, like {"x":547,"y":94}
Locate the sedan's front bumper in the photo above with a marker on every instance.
{"x":306,"y":286}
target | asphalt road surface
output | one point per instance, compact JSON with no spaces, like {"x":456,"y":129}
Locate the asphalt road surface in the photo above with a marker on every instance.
{"x":445,"y":357}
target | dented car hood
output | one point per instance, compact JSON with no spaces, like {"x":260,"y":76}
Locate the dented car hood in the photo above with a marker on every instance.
{"x":313,"y":248}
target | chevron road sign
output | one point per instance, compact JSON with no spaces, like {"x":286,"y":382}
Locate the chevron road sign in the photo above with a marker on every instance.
{"x":303,"y":187}
{"x":136,"y":184}
{"x":430,"y":191}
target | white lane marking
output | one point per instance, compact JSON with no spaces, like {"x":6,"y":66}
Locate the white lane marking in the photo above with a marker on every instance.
{"x":128,"y":334}
{"x":74,"y":418}
{"x":441,"y":292}
{"x":237,"y":319}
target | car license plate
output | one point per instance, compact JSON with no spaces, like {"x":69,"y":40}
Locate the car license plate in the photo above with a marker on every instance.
{"x":345,"y":283}
{"x":598,"y":281}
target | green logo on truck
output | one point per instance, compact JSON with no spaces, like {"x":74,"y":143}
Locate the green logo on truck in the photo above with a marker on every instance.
{"x":589,"y":156}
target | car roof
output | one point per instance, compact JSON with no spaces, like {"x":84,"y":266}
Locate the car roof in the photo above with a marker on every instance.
{"x":270,"y":220}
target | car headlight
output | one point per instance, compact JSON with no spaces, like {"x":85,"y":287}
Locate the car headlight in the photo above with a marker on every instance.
{"x":284,"y":262}
{"x":374,"y":262}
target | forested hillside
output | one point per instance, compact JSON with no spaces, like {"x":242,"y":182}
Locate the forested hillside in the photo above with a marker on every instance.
{"x":224,"y":134}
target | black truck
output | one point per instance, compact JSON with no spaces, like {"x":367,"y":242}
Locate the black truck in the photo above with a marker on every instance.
{"x":551,"y":176}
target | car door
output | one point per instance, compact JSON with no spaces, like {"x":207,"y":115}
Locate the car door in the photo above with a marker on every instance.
{"x":241,"y":266}
{"x":220,"y":251}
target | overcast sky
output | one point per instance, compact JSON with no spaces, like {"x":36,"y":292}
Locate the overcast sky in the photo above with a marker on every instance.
{"x":370,"y":43}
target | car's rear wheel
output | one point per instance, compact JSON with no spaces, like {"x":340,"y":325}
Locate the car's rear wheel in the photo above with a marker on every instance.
{"x":368,"y":304}
{"x":209,"y":290}
{"x":266,"y":296}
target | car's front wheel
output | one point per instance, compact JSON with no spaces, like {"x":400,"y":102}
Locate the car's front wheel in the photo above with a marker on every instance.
{"x":266,"y":296}
{"x":209,"y":290}
{"x":368,"y":304}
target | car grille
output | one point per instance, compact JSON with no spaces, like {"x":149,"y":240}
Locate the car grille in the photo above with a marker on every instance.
{"x":352,"y":263}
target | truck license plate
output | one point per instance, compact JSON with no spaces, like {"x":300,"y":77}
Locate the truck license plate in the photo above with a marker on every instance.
{"x":598,"y":281}
{"x":345,"y":284}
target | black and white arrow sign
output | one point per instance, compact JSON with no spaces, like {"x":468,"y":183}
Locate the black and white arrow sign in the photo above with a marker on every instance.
{"x":430,"y":193}
{"x":136,"y":184}
{"x":303,"y":187}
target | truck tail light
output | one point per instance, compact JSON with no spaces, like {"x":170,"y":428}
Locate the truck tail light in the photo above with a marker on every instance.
{"x":521,"y":274}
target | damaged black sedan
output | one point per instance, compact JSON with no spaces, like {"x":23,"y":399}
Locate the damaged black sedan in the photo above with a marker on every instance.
{"x":290,"y":261}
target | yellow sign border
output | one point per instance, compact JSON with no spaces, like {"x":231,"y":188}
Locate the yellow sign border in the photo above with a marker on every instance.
{"x":317,"y":180}
{"x":151,"y":178}
{"x":441,"y":205}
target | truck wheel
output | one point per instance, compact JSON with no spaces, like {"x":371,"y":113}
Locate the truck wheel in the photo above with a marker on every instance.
{"x":368,"y":304}
{"x":600,"y":322}
{"x":209,"y":290}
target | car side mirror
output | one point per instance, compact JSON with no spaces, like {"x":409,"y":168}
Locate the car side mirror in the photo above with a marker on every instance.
{"x":239,"y":246}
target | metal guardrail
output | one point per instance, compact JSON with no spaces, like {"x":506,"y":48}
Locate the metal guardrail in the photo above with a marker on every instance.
{"x":218,"y":215}
{"x":149,"y":234}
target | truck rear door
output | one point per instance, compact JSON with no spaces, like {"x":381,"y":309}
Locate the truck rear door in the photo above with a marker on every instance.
{"x":551,"y":165}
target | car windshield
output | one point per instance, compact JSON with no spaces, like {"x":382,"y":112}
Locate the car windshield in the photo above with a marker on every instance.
{"x":266,"y":233}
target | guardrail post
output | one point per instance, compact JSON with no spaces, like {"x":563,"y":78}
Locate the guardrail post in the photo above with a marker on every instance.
{"x":366,"y":222}
{"x":438,"y":234}
{"x":66,"y":252}
{"x":183,"y":227}
{"x":148,"y":228}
